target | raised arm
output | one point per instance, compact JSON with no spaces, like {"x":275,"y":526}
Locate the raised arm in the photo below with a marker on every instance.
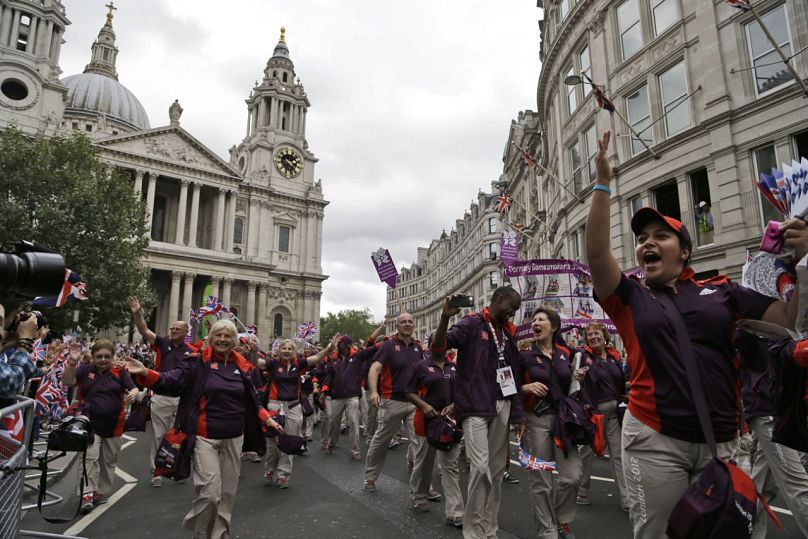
{"x":795,"y":232}
{"x":69,"y":372}
{"x":605,"y":271}
{"x":137,"y":314}
{"x":319,"y":356}
{"x":377,"y":331}
{"x":438,"y":342}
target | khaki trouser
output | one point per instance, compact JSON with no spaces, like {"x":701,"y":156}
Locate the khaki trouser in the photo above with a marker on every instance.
{"x":551,"y":509}
{"x":277,"y":461}
{"x":487,"y":451}
{"x":658,"y":470}
{"x":611,"y":427}
{"x":102,"y":459}
{"x":350,"y":407}
{"x":217,"y":464}
{"x":370,"y":416}
{"x":778,"y":470}
{"x":421,"y":477}
{"x":162,"y":410}
{"x":390,"y":415}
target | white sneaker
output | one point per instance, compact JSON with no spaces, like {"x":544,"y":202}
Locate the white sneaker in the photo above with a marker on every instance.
{"x":157,"y":481}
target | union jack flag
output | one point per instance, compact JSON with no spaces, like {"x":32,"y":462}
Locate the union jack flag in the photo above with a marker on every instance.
{"x":252,"y":329}
{"x":529,"y":161}
{"x":603,"y":102}
{"x":46,"y":395}
{"x":744,"y":5}
{"x":14,"y":425}
{"x":213,"y":306}
{"x":39,"y":350}
{"x":306,"y":331}
{"x":503,"y":202}
{"x":526,"y":460}
{"x":72,"y":289}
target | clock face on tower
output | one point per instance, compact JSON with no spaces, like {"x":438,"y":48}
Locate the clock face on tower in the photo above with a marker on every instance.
{"x":288,"y":162}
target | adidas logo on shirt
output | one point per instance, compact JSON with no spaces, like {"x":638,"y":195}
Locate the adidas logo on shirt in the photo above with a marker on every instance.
{"x":707,"y":291}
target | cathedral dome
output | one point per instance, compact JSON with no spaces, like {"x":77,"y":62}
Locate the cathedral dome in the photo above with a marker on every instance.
{"x":94,"y":94}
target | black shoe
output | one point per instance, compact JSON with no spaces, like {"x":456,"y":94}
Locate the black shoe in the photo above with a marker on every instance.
{"x":508,"y":478}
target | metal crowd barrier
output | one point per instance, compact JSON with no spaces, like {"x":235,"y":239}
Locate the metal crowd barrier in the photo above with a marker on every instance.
{"x":13,"y":455}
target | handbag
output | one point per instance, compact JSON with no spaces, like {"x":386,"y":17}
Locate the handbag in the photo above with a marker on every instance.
{"x":305,"y":406}
{"x":174,"y":456}
{"x":722,"y":502}
{"x":442,"y":432}
{"x":572,"y":424}
{"x":599,"y":441}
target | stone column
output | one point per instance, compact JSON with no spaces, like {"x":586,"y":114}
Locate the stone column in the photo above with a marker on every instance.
{"x":58,"y":50}
{"x":219,"y":228}
{"x":303,"y":131}
{"x":274,"y":114}
{"x":150,"y":198}
{"x":227,"y":284}
{"x":5,"y":23}
{"x":214,"y":286}
{"x":229,"y":222}
{"x":15,"y":29}
{"x":179,"y":236}
{"x":261,"y":319}
{"x":174,"y":297}
{"x":253,"y":224}
{"x":187,"y":296}
{"x":265,"y":234}
{"x":249,"y":318}
{"x":45,"y":41}
{"x":139,"y":184}
{"x":30,"y":46}
{"x":194,"y":215}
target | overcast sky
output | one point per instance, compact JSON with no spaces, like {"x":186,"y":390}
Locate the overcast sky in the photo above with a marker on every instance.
{"x":411,"y":102}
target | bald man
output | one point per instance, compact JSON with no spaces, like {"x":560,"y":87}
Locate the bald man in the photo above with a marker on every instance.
{"x":169,"y":352}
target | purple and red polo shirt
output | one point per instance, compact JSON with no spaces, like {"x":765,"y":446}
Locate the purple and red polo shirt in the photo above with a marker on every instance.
{"x":343,"y":376}
{"x":101,"y":395}
{"x":536,"y":368}
{"x":398,"y":361}
{"x":660,"y":395}
{"x":284,"y":379}
{"x":167,"y":355}
{"x":605,"y":380}
{"x":435,"y":385}
{"x":223,"y":401}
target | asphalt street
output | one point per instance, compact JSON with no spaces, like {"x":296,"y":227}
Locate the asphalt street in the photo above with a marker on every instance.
{"x":324,"y":499}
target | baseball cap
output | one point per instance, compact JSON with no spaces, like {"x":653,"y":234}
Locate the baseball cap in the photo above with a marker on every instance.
{"x":647,"y":215}
{"x":346,"y":340}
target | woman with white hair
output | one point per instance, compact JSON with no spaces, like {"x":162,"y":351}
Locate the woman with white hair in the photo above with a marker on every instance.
{"x":283,"y":397}
{"x":219,"y":408}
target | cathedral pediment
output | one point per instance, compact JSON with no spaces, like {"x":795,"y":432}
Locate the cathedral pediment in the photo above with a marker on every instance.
{"x":169,"y":145}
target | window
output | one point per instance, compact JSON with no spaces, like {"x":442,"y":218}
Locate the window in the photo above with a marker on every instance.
{"x":634,"y":204}
{"x":801,"y":145}
{"x":277,"y":325}
{"x":565,"y":8}
{"x":283,"y":238}
{"x":639,"y":115}
{"x":492,"y":225}
{"x":493,"y":279}
{"x":572,"y":98}
{"x":158,"y":220}
{"x":700,"y":189}
{"x":765,"y":161}
{"x":575,"y":158}
{"x":586,"y":69}
{"x":591,"y":146}
{"x":664,"y":12}
{"x":768,"y":70}
{"x":667,"y":199}
{"x":673,"y":86}
{"x":238,"y":231}
{"x":628,"y":20}
{"x":492,"y":251}
{"x":575,"y":247}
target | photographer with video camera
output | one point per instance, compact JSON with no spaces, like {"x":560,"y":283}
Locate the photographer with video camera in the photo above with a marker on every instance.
{"x":16,"y":365}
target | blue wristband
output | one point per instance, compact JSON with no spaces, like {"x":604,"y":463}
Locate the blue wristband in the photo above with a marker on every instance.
{"x":604,"y":188}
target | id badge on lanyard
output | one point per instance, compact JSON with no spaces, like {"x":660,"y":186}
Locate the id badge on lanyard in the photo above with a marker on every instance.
{"x":504,"y":372}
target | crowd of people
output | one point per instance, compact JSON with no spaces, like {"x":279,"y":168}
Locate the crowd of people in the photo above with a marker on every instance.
{"x":460,"y":398}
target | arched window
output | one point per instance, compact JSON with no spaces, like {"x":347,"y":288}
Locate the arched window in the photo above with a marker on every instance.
{"x":277,"y":325}
{"x":238,"y":231}
{"x":285,"y":77}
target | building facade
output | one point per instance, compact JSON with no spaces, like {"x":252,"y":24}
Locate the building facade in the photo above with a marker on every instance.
{"x":463,"y":261}
{"x":247,"y":229}
{"x":706,"y":93}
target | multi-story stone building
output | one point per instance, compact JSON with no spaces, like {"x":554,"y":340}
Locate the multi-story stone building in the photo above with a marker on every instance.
{"x":706,"y":92}
{"x":247,"y":229}
{"x":463,"y":261}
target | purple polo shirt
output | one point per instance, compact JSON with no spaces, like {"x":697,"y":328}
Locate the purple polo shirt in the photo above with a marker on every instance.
{"x":224,"y":403}
{"x":605,"y":380}
{"x":536,"y":368}
{"x":343,"y":376}
{"x":435,"y":385}
{"x":102,"y":398}
{"x":167,"y":355}
{"x":760,"y":369}
{"x":660,"y":394}
{"x":398,"y":361}
{"x":284,"y":380}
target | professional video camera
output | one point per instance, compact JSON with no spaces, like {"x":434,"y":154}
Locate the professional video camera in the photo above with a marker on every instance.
{"x":28,"y":271}
{"x":73,"y":434}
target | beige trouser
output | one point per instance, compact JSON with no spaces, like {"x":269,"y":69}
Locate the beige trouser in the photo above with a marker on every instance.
{"x":778,"y":470}
{"x":487,"y":451}
{"x":102,"y":459}
{"x":551,"y":509}
{"x":370,"y":417}
{"x":421,"y":477}
{"x":162,"y":410}
{"x":277,"y":461}
{"x":217,"y":464}
{"x":611,"y":427}
{"x":391,"y":414}
{"x":308,"y":422}
{"x":350,"y":407}
{"x":658,"y":470}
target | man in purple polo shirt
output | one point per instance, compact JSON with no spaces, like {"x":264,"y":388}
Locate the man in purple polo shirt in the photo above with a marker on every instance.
{"x":389,"y":380}
{"x":169,"y":352}
{"x":342,"y":384}
{"x":486,"y":399}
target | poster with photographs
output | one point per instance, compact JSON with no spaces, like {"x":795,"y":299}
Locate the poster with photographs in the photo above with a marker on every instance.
{"x":564,"y":285}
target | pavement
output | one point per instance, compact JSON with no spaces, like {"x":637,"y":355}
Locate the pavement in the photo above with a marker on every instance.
{"x":324,"y":499}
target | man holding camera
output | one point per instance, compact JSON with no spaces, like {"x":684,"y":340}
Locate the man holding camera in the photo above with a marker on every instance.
{"x":169,"y":351}
{"x":16,"y":365}
{"x":486,"y":397}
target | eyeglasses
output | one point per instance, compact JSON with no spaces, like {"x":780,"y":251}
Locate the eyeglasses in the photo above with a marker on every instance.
{"x":103,"y":356}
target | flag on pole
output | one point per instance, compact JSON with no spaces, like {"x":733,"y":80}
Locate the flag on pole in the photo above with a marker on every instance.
{"x":72,"y":289}
{"x":503,"y":203}
{"x":603,"y":102}
{"x":529,"y":161}
{"x":743,"y":5}
{"x":385,"y":267}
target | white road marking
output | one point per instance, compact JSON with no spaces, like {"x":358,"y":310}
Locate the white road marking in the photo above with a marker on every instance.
{"x":125,"y":476}
{"x":79,"y":526}
{"x":129,"y":438}
{"x":127,"y":444}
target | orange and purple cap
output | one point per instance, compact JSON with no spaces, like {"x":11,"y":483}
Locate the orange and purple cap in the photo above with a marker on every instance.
{"x":643,"y":216}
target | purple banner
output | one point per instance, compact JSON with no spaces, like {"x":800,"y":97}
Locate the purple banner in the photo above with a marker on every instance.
{"x":385,"y":267}
{"x":509,"y":247}
{"x":564,"y":285}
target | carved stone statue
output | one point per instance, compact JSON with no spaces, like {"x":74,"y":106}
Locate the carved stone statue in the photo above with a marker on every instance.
{"x":175,"y":111}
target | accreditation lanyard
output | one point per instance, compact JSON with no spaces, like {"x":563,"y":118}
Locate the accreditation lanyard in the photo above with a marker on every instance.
{"x":505,"y":379}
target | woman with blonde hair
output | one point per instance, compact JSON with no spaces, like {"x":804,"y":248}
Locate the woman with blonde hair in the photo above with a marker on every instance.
{"x":218,"y":408}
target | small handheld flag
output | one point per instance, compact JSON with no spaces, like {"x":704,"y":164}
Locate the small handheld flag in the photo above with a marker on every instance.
{"x":73,"y":289}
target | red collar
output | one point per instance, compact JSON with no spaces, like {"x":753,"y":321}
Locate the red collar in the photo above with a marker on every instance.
{"x":510,"y":329}
{"x":242,"y":364}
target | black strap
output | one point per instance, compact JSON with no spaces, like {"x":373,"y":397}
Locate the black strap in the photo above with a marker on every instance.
{"x":43,"y":487}
{"x":688,"y":357}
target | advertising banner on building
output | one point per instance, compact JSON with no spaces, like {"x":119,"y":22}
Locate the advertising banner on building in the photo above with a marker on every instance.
{"x":509,"y":247}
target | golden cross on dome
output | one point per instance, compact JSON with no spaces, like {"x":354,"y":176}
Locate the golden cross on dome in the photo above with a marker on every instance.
{"x":283,"y":35}
{"x":111,"y":7}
